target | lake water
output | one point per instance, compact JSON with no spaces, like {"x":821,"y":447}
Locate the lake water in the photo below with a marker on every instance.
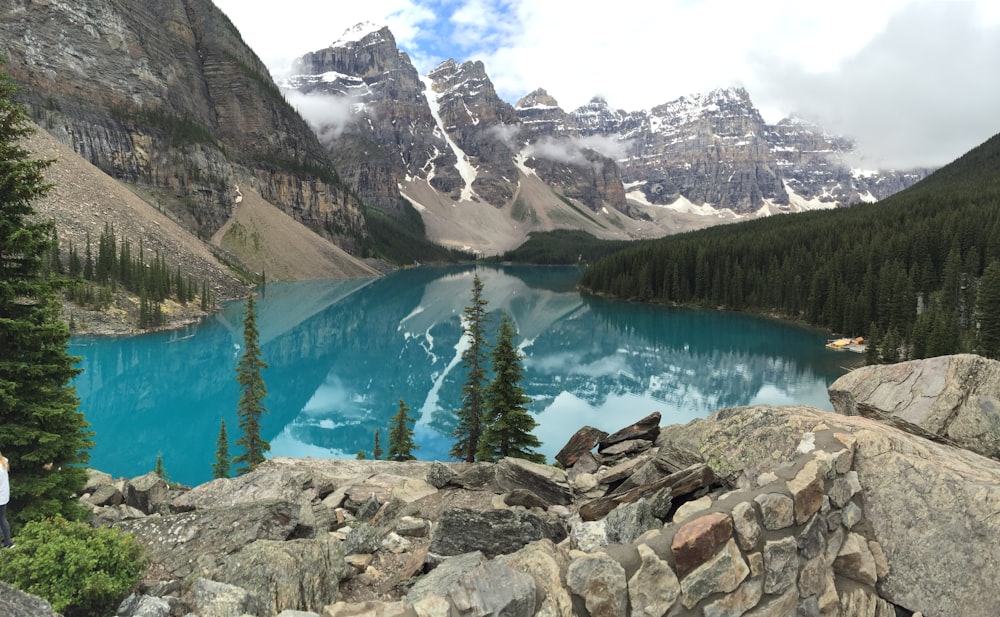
{"x":342,"y":354}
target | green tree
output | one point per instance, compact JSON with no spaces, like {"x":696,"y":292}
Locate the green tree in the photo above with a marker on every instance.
{"x":360,"y":455}
{"x":42,"y":430}
{"x":401,"y":444}
{"x":470,"y":417}
{"x":508,"y":425}
{"x":221,"y":466}
{"x":160,"y":470}
{"x":988,"y":311}
{"x":377,"y":448}
{"x":253,"y":391}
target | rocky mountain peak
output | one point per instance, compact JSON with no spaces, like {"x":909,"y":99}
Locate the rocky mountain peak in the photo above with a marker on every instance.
{"x":536,"y":98}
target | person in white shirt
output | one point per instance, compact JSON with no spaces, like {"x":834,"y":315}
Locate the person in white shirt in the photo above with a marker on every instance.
{"x":4,"y":500}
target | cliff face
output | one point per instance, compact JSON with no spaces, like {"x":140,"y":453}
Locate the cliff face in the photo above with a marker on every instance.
{"x":167,"y":96}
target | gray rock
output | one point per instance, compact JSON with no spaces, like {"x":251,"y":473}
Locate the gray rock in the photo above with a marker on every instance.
{"x":480,"y":476}
{"x":408,"y":526}
{"x":746,"y":524}
{"x":439,"y":475}
{"x":776,"y":509}
{"x":545,"y":562}
{"x":600,"y":582}
{"x":647,"y":429}
{"x":16,"y":603}
{"x":954,"y":398}
{"x":812,"y":540}
{"x":186,"y":543}
{"x":746,"y":596}
{"x":851,"y":515}
{"x":855,"y":560}
{"x":95,"y":480}
{"x":781,"y":565}
{"x":210,"y":598}
{"x":493,"y":589}
{"x":654,"y":588}
{"x":143,"y":606}
{"x":107,"y":495}
{"x":362,"y":538}
{"x":297,"y":574}
{"x":722,"y":573}
{"x":444,"y":576}
{"x":548,"y":483}
{"x":781,"y":606}
{"x":627,"y":522}
{"x":148,"y":493}
{"x":525,"y":499}
{"x":494,"y":532}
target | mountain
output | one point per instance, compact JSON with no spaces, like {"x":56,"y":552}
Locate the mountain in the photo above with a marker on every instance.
{"x":465,"y":159}
{"x":167,"y":98}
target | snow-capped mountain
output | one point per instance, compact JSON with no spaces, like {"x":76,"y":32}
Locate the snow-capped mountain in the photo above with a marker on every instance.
{"x":484,"y":173}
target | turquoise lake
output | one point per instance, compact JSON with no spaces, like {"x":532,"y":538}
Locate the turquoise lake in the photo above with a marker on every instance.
{"x":342,"y":354}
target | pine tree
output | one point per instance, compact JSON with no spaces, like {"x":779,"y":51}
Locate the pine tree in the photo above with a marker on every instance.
{"x":42,"y":431}
{"x":988,"y":311}
{"x":159,"y":470}
{"x":470,"y":416}
{"x":360,"y":455}
{"x":401,"y":443}
{"x":253,"y":391}
{"x":508,"y":425}
{"x":377,"y":448}
{"x":221,"y":466}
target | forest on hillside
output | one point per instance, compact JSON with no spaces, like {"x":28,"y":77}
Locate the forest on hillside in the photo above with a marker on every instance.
{"x":918,"y":273}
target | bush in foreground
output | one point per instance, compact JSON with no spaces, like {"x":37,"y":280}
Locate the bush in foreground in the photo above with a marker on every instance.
{"x":81,"y":571}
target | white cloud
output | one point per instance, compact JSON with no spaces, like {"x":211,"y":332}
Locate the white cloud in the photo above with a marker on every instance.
{"x":571,"y":151}
{"x":327,"y":114}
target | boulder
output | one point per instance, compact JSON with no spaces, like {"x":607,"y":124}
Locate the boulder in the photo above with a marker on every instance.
{"x":16,"y":603}
{"x":582,"y":442}
{"x":214,"y":599}
{"x":647,"y":429}
{"x":298,"y":575}
{"x":494,"y":532}
{"x":952,"y":398}
{"x":548,"y":483}
{"x":545,"y":562}
{"x":904,"y":478}
{"x":600,"y":582}
{"x":186,"y":543}
{"x":149,"y":493}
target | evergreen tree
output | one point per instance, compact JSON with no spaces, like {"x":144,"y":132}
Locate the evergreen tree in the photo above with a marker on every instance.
{"x":401,"y":443}
{"x":253,"y":391}
{"x":159,"y":470}
{"x":470,"y":416}
{"x":42,"y":431}
{"x":220,"y":468}
{"x":360,"y":455}
{"x":988,"y":311}
{"x":508,"y":426}
{"x":377,"y":448}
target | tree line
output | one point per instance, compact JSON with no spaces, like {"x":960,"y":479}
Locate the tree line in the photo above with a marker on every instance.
{"x":94,"y":278}
{"x":916,"y":273}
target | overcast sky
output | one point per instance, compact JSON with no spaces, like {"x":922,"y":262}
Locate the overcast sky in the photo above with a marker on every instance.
{"x":916,"y":82}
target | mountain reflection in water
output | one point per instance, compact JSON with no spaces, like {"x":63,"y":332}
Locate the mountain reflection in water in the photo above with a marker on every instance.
{"x":342,"y":354}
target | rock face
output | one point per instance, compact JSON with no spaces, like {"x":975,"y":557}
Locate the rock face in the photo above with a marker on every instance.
{"x":16,"y":603}
{"x":167,"y":97}
{"x":950,"y":398}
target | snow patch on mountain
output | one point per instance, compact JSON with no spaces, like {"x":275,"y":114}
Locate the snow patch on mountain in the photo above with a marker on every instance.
{"x":466,"y":170}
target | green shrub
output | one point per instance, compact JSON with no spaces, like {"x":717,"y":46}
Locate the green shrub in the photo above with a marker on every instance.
{"x":81,"y":571}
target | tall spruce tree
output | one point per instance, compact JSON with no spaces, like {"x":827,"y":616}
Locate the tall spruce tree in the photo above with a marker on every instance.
{"x":401,"y":444}
{"x":253,"y":391}
{"x":42,"y":430}
{"x":469,"y":430}
{"x":988,"y":311}
{"x":222,"y":464}
{"x":508,"y":426}
{"x":377,"y":448}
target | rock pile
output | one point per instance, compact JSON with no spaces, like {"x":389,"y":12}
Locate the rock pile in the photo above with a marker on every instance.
{"x":756,"y":511}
